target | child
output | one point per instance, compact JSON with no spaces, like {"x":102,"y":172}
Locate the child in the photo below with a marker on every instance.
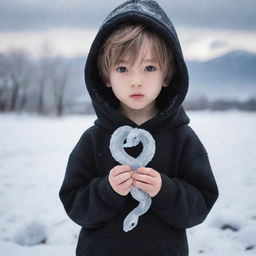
{"x":136,"y":75}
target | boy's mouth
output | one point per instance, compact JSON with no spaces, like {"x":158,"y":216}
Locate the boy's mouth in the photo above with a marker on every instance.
{"x":137,"y":96}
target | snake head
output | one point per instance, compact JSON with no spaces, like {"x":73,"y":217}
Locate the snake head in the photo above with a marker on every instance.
{"x":133,"y":139}
{"x":130,"y":222}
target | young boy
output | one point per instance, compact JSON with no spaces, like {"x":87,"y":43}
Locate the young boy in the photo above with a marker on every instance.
{"x":136,"y":75}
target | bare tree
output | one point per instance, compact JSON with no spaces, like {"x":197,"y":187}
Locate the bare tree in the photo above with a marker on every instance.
{"x":42,"y":78}
{"x":18,"y":72}
{"x":39,"y":85}
{"x":59,"y":89}
{"x":52,"y":80}
{"x":3,"y":83}
{"x":59,"y":80}
{"x":43,"y":75}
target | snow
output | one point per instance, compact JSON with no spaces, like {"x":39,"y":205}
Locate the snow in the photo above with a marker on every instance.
{"x":31,"y":233}
{"x":33,"y":156}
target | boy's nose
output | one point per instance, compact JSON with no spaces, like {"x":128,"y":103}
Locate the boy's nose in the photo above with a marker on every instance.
{"x":136,"y":85}
{"x":135,"y":82}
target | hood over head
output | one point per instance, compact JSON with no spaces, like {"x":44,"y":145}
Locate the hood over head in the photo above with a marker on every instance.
{"x":171,"y":113}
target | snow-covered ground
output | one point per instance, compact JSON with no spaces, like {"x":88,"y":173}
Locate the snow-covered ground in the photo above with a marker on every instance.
{"x":33,"y":156}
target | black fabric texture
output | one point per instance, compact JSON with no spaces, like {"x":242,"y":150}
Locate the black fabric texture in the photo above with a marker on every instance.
{"x":189,"y":189}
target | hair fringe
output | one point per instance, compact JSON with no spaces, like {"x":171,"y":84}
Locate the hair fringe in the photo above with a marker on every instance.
{"x":127,"y":40}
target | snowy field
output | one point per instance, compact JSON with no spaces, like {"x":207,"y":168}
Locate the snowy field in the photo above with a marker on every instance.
{"x":33,"y":157}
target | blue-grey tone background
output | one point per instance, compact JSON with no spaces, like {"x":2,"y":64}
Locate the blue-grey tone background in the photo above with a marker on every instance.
{"x":218,"y":38}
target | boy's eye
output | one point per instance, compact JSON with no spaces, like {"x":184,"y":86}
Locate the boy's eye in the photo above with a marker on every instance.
{"x":150,"y":68}
{"x":121,"y":69}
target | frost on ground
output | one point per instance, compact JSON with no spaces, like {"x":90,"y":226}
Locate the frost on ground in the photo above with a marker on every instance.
{"x":33,"y":157}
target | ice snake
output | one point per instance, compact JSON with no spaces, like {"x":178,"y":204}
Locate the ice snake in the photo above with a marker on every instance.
{"x":133,"y":137}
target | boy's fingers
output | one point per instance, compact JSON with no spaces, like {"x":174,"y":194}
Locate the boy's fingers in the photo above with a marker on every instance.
{"x":126,"y":168}
{"x":143,"y":178}
{"x":127,"y":183}
{"x":123,"y":177}
{"x":148,"y":171}
{"x":115,"y":171}
{"x":120,"y":169}
{"x":144,"y":186}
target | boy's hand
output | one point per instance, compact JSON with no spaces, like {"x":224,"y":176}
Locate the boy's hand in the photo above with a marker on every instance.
{"x":148,"y":180}
{"x":120,"y":178}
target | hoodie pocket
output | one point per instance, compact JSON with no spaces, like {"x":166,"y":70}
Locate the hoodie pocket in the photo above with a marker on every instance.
{"x":129,"y":247}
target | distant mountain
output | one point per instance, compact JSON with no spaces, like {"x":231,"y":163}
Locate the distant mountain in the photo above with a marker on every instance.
{"x":232,"y":75}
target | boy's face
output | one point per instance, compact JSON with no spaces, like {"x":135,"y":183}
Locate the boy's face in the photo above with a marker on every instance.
{"x":137,"y":86}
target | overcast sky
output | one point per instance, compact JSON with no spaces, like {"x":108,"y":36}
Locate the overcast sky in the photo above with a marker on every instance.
{"x":70,"y":25}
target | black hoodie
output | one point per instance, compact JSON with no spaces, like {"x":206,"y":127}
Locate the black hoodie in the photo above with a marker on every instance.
{"x":188,"y":189}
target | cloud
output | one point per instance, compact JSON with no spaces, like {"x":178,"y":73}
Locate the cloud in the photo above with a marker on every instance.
{"x":217,"y":44}
{"x":33,"y":15}
{"x":197,"y":43}
{"x":228,"y":14}
{"x":206,"y":28}
{"x":203,"y":44}
{"x":61,"y":41}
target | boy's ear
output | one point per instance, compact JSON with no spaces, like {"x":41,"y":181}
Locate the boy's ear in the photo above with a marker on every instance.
{"x":108,"y":83}
{"x":165,"y":83}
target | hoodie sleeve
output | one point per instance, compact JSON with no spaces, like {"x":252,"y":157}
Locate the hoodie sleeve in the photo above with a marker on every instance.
{"x":186,"y":200}
{"x":88,"y":200}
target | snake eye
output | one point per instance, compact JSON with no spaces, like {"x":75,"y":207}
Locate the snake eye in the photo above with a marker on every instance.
{"x":132,"y":224}
{"x":135,"y":139}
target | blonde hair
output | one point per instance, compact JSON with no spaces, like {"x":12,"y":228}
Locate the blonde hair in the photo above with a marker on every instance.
{"x":127,"y":40}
